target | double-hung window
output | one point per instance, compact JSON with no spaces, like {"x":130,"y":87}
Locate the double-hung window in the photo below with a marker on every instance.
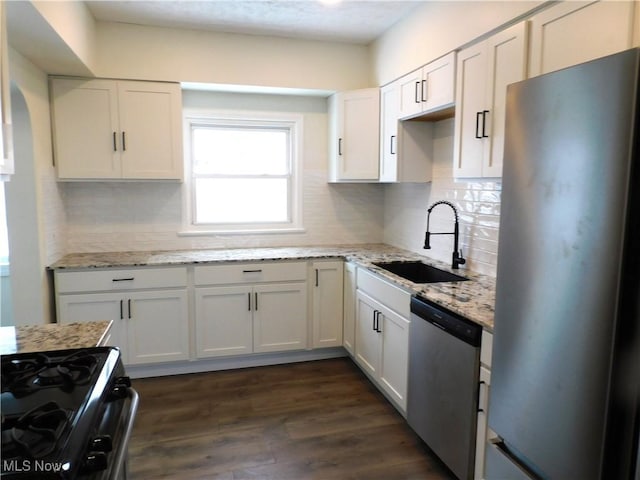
{"x":244,"y":174}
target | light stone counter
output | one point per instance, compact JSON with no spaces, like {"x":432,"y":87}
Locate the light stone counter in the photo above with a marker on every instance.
{"x":472,"y":299}
{"x":53,"y":336}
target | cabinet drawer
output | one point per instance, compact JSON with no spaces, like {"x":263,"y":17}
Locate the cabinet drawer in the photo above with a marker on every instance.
{"x":250,"y":273}
{"x":129,"y":279}
{"x":391,"y":296}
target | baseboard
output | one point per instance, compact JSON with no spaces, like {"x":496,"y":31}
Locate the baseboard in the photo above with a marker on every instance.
{"x":228,"y":363}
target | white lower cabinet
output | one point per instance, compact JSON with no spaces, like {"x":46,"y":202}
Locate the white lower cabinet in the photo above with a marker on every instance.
{"x":382,"y":347}
{"x":349,"y":309}
{"x":482,"y":432}
{"x":150,"y":324}
{"x":327,"y":278}
{"x":267,"y":312}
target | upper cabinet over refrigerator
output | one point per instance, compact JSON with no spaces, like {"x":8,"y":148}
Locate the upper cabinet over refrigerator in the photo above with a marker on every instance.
{"x":483,"y":73}
{"x":570,"y":33}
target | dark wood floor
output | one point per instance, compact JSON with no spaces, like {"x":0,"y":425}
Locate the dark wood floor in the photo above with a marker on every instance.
{"x":314,"y":420}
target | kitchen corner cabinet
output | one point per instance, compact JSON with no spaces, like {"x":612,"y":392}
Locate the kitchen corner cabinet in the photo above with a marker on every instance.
{"x":429,"y":88}
{"x":382,"y":335}
{"x":354,"y":126}
{"x":349,"y":308}
{"x":482,"y":433}
{"x":569,"y":33}
{"x":327,"y":278}
{"x":250,"y":308}
{"x":405,"y":146}
{"x":6,"y":137}
{"x":148,"y":307}
{"x":483,"y":73}
{"x":116,"y":129}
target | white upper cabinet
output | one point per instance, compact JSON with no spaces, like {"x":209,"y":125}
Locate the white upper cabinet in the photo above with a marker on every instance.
{"x":389,"y":119}
{"x":111,"y":129}
{"x":429,"y":88}
{"x":570,"y":33}
{"x":6,"y":139}
{"x":484,"y":71}
{"x":354,"y":126}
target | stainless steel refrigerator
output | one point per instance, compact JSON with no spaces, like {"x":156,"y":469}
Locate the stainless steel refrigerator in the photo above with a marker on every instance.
{"x":565,"y":378}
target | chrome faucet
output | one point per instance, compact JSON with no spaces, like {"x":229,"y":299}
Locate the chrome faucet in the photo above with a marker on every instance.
{"x":457,"y":258}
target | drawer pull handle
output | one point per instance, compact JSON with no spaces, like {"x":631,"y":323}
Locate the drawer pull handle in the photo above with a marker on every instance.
{"x":129,"y":279}
{"x":252,"y":271}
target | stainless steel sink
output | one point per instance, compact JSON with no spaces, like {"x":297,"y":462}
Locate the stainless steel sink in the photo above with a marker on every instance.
{"x":418,"y":272}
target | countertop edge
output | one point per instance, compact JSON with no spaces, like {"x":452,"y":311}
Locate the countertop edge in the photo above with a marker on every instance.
{"x":473,"y":299}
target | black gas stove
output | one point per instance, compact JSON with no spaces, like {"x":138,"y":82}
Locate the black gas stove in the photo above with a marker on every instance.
{"x":66,"y":414}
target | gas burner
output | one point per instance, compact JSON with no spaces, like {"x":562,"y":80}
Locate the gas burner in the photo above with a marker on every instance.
{"x":17,"y":370}
{"x":34,"y":434}
{"x":22,"y":377}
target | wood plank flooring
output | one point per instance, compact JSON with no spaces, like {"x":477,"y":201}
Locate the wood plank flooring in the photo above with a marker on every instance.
{"x":314,"y":420}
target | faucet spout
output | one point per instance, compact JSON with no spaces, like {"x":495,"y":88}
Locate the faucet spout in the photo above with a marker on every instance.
{"x":457,"y":259}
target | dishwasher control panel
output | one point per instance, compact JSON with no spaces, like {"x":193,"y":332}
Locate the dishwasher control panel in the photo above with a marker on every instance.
{"x":450,"y":322}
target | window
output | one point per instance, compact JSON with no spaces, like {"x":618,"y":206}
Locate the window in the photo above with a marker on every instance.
{"x":243,"y":174}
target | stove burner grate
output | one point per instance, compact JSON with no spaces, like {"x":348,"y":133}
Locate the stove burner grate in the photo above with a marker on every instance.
{"x":35,"y":434}
{"x":22,"y":377}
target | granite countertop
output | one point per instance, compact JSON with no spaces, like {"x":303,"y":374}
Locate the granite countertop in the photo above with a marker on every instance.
{"x":472,"y":299}
{"x":53,"y":336}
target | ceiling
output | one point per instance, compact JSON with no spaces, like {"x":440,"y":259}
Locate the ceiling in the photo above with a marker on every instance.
{"x":351,"y":21}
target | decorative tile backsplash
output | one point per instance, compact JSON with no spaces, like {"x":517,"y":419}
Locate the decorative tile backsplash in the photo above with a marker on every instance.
{"x":477,"y":202}
{"x":140,"y":216}
{"x":102,"y":217}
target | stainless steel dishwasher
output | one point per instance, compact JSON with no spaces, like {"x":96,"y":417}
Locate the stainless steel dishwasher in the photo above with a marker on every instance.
{"x":442,"y":399}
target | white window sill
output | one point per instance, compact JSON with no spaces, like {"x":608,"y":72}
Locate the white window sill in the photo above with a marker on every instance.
{"x":204,"y":233}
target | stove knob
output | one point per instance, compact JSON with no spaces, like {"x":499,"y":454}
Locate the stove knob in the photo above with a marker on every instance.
{"x":101,"y":443}
{"x":95,"y":461}
{"x":124,"y":382}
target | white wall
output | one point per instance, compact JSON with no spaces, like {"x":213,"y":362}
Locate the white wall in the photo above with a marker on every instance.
{"x":148,"y":216}
{"x":35,"y":215}
{"x":155,"y":53}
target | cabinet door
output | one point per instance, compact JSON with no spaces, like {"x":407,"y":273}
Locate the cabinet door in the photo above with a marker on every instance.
{"x":507,"y":60}
{"x":280,"y":317}
{"x":410,"y":90}
{"x":224,"y":324}
{"x":574,"y":32}
{"x":85,"y":124}
{"x":394,"y":356}
{"x":484,"y":72}
{"x":327,"y":304}
{"x":470,"y":86}
{"x":157,"y":326}
{"x":367,"y":338}
{"x":438,"y":83}
{"x":482,"y":431}
{"x":94,"y":307}
{"x":349,"y":310}
{"x":150,"y":130}
{"x":389,"y":114}
{"x":358,"y":121}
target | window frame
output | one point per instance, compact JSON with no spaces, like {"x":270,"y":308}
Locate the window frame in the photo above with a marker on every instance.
{"x":292,"y":122}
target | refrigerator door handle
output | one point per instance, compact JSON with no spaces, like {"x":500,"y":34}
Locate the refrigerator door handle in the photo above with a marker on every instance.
{"x":502,"y":463}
